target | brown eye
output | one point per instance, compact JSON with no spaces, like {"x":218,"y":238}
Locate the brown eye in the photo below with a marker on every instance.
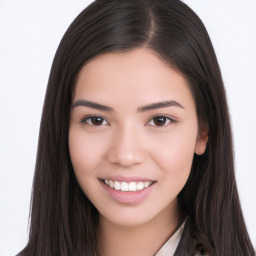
{"x":95,"y":121}
{"x":160,"y":121}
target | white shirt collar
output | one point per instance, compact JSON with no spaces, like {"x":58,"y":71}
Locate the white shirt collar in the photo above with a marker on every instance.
{"x":171,"y":245}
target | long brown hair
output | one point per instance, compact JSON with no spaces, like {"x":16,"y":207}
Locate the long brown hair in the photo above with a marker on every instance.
{"x":63,"y":221}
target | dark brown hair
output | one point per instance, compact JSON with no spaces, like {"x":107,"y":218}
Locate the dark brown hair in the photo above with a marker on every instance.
{"x":63,"y":221}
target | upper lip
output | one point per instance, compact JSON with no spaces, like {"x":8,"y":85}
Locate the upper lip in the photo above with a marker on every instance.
{"x":127,"y":178}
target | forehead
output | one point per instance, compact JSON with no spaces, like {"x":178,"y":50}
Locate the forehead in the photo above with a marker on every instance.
{"x":142,"y":60}
{"x":138,"y":74}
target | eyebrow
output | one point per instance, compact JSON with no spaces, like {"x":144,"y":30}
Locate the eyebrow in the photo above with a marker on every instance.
{"x":157,"y":105}
{"x":91,"y":104}
{"x":145,"y":108}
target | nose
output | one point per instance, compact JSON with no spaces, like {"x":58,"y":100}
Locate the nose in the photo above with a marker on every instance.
{"x":126,"y":148}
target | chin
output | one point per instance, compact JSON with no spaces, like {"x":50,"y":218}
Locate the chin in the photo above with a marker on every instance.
{"x":132,"y":216}
{"x":127,"y":217}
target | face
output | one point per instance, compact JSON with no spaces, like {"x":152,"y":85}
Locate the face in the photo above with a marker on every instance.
{"x":133,"y":134}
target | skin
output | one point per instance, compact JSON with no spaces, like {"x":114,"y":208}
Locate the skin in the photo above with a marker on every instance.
{"x":128,"y":142}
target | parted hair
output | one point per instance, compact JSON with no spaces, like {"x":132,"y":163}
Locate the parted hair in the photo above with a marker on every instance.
{"x":62,"y":220}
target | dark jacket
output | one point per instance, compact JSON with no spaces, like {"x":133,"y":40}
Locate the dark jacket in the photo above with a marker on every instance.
{"x":188,"y":245}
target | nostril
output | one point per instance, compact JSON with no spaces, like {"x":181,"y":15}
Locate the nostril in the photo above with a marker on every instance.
{"x":126,"y":158}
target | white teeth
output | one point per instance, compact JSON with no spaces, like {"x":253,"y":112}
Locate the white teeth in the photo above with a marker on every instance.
{"x":146,"y":184}
{"x":131,"y":186}
{"x":124,"y":186}
{"x":111,"y":183}
{"x":140,"y":185}
{"x":117,"y":185}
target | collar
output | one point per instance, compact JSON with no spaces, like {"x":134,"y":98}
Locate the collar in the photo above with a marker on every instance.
{"x":171,"y":245}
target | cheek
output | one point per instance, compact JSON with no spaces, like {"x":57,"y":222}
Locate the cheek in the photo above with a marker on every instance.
{"x":174,"y":154}
{"x":86,"y":151}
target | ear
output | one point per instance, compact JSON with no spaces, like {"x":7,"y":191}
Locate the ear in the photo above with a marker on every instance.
{"x":202,"y":139}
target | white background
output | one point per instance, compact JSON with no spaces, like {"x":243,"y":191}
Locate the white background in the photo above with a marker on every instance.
{"x":30,"y":32}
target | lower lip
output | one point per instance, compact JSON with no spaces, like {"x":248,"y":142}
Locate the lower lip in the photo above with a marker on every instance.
{"x":127,"y":197}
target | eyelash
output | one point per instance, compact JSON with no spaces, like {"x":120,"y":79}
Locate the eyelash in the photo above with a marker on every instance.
{"x":88,"y":121}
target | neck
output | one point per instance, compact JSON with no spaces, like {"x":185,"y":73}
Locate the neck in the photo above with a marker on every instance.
{"x":145,"y":239}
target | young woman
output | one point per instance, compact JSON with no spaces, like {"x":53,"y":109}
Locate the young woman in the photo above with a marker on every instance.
{"x":135,"y":150}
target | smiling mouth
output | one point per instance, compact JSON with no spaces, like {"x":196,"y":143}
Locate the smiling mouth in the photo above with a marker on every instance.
{"x":128,"y":186}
